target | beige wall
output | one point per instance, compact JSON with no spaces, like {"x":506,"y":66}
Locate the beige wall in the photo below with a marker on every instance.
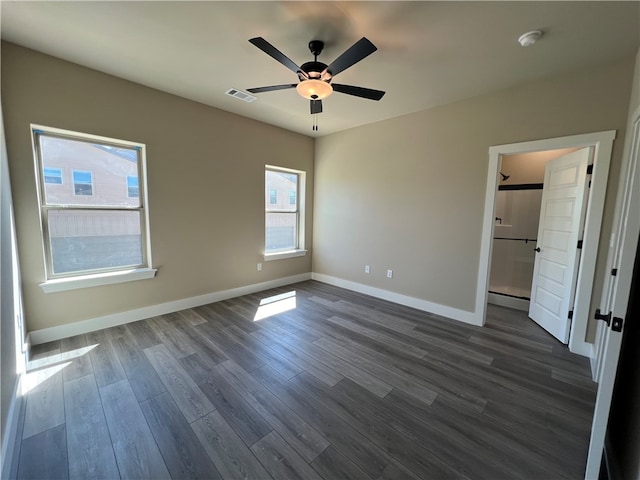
{"x":528,"y":167}
{"x":9,"y":366}
{"x":197,"y":158}
{"x":408,"y":193}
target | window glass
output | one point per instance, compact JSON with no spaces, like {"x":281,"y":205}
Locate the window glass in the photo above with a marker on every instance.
{"x":98,"y":172}
{"x":82,"y":240}
{"x":282,"y":231}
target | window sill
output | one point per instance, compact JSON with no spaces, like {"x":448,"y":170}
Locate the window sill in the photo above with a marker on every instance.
{"x":97,"y":280}
{"x":282,"y":255}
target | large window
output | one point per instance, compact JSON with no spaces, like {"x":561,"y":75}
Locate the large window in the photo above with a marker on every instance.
{"x":91,"y":224}
{"x":284,"y":232}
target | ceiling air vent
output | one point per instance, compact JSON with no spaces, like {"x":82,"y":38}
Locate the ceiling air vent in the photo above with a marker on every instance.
{"x":234,"y":92}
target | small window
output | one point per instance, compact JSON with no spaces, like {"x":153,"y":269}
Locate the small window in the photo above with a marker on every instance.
{"x":91,"y":225}
{"x":82,"y":183}
{"x":53,"y":176}
{"x":132,"y":186}
{"x":283,"y":224}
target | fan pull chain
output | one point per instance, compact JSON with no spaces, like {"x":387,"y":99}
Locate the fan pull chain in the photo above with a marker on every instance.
{"x":314,"y":127}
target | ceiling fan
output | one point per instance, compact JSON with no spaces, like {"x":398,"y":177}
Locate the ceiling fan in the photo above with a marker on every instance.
{"x":315,"y":78}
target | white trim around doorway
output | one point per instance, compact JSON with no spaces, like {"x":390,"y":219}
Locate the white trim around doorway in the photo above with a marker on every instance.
{"x":602,"y":143}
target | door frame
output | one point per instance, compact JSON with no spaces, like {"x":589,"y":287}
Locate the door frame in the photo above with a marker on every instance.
{"x":616,"y":292}
{"x":602,"y":143}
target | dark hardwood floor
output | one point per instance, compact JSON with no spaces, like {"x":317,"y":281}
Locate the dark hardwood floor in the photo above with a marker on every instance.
{"x":339,"y":386}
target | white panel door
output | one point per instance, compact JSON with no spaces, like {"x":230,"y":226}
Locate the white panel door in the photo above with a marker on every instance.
{"x":623,"y":250}
{"x":564,"y":198}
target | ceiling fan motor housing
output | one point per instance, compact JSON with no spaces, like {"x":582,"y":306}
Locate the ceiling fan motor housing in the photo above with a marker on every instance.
{"x":315,"y":70}
{"x":316,"y":46}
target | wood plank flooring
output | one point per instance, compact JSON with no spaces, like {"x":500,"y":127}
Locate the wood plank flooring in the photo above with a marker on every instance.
{"x":340,"y":386}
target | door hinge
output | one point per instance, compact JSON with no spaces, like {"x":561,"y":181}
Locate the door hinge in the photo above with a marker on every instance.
{"x":579,"y":243}
{"x":570,"y":314}
{"x":606,"y":318}
{"x":617,"y":324}
{"x":614,"y":272}
{"x":590,"y":169}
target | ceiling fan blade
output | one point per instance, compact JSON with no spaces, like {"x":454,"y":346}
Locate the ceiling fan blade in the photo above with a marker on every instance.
{"x":359,"y":50}
{"x":316,"y":106}
{"x":272,"y":88}
{"x":358,"y":91}
{"x":273,"y":52}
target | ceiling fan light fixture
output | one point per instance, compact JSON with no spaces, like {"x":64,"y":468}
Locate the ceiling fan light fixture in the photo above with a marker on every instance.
{"x":313,"y":89}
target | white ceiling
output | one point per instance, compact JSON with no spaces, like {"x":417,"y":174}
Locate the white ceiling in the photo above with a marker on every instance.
{"x":429,"y":53}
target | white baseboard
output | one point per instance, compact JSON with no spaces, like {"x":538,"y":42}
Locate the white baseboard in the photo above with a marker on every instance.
{"x":417,"y":303}
{"x":91,"y":325}
{"x":582,"y":348}
{"x":10,"y":436}
{"x":509,"y":302}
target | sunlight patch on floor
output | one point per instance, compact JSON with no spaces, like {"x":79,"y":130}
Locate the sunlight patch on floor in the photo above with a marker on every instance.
{"x":32,"y":379}
{"x":41,"y":369}
{"x":271,"y":306}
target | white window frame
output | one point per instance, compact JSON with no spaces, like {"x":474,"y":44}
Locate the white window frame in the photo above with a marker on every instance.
{"x":300,"y":200}
{"x":97,"y":277}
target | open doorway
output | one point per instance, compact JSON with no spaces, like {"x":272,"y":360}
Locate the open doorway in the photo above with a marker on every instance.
{"x":602,"y":143}
{"x":516,"y":226}
{"x":550,"y":215}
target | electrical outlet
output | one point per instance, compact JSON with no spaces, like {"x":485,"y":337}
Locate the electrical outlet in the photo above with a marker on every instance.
{"x":389,"y":273}
{"x":367,"y":269}
{"x":259,"y":267}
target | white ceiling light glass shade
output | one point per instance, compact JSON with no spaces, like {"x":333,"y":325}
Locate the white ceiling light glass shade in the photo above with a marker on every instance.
{"x":313,"y":89}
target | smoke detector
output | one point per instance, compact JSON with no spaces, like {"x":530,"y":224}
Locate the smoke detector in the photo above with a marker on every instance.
{"x":529,"y":38}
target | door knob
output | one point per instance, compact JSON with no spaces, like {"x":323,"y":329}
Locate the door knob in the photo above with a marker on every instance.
{"x":537,"y":249}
